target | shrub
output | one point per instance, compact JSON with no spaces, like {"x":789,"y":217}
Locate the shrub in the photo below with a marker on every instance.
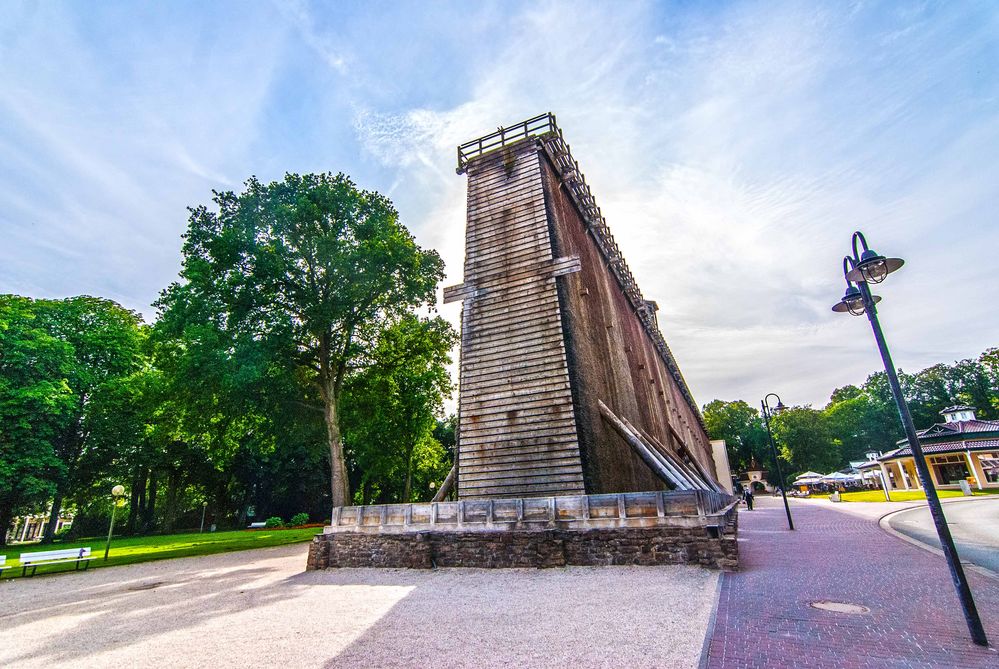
{"x":299,"y":519}
{"x":63,"y":534}
{"x":274,"y":521}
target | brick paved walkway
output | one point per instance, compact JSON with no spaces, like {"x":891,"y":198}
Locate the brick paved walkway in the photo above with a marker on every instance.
{"x":764,"y":620}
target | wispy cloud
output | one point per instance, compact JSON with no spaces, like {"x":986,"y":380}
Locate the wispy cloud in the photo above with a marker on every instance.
{"x":733,"y":149}
{"x":299,"y":14}
{"x":733,"y":157}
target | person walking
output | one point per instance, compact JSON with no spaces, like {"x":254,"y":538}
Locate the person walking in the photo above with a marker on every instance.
{"x":748,"y":496}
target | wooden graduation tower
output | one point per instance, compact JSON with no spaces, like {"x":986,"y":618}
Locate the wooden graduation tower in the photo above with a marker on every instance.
{"x":567,"y":386}
{"x":573,"y":416}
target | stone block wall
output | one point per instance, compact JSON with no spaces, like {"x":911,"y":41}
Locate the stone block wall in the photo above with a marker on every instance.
{"x":712,"y":546}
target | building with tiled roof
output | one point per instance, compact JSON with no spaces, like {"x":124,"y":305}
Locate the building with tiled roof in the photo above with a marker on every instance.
{"x":962,"y":448}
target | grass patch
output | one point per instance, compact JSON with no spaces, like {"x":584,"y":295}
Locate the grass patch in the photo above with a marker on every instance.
{"x":905,"y":495}
{"x":129,"y":550}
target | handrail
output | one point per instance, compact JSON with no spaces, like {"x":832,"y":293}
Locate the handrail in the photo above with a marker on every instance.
{"x":541,"y":124}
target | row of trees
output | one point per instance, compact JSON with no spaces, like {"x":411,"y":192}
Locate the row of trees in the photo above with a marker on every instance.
{"x":856,"y":419}
{"x":289,"y":369}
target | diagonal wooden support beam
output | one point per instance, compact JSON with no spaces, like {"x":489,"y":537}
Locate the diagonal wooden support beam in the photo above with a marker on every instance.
{"x":667,"y":474}
{"x":447,"y":484}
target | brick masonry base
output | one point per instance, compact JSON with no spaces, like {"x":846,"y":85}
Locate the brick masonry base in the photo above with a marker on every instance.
{"x":646,"y":546}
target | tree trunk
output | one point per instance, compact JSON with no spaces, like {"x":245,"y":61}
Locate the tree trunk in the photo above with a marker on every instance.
{"x":172,"y":499}
{"x":149,"y":513}
{"x":53,"y":518}
{"x":408,"y":488}
{"x":133,"y":503}
{"x":339,"y":485}
{"x":141,"y":506}
{"x":6,"y":515}
{"x":73,"y":440}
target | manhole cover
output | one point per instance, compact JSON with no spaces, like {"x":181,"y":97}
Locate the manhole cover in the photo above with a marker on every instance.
{"x":840,"y":607}
{"x":146,"y":586}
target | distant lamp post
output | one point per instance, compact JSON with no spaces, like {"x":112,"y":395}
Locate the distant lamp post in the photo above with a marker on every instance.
{"x":118,"y":499}
{"x":204,"y":507}
{"x":863,"y":268}
{"x":767,"y":413}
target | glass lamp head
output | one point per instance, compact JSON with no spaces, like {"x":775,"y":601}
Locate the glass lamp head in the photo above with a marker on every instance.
{"x":873,"y":268}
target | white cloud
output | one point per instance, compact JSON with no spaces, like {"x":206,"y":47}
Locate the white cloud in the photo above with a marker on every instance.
{"x":297,"y":12}
{"x":733,"y":151}
{"x":732,"y":171}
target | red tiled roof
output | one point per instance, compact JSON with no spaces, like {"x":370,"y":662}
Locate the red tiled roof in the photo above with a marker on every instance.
{"x":945,"y":447}
{"x":979,"y":425}
{"x":961,"y":427}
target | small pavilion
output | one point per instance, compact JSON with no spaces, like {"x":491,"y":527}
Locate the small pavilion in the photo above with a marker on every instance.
{"x":962,"y":448}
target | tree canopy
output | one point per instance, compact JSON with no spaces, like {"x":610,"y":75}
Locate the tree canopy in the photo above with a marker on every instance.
{"x":392,"y":406}
{"x":857,"y":419}
{"x":294,"y":322}
{"x":306,"y":271}
{"x":742,"y":429}
{"x":297,"y":365}
{"x":36,"y":406}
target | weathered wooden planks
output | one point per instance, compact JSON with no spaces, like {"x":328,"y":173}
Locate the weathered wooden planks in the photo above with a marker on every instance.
{"x":517,"y":430}
{"x":538,"y":296}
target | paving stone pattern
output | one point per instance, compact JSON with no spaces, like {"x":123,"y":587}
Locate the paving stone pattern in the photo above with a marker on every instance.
{"x":764,"y":619}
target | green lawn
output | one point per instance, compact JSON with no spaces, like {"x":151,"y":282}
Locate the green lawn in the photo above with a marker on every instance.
{"x":905,"y":495}
{"x":126,"y":550}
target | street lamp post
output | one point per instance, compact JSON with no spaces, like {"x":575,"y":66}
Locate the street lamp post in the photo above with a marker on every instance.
{"x":767,"y":412}
{"x":867,"y":267}
{"x":204,"y":506}
{"x":117,"y":497}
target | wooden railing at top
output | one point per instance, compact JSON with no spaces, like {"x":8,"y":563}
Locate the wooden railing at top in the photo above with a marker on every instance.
{"x":532,"y":127}
{"x":545,"y":128}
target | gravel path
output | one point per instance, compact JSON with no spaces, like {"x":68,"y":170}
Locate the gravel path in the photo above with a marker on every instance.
{"x":259,"y":608}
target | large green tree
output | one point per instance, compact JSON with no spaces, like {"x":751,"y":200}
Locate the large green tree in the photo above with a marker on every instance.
{"x":36,"y":405}
{"x":391,"y":408}
{"x":306,"y":270}
{"x":989,"y":360}
{"x":805,"y":440}
{"x":861,"y":422}
{"x":742,"y":429}
{"x":106,"y":342}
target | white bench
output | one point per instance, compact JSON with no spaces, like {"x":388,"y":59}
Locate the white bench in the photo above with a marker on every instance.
{"x":36,"y":560}
{"x":3,"y":564}
{"x":256,"y":526}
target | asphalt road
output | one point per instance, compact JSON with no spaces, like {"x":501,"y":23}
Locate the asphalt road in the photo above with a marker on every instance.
{"x":973,"y":524}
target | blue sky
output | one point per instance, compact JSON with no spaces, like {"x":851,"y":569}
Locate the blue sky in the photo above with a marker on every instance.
{"x":733,"y":147}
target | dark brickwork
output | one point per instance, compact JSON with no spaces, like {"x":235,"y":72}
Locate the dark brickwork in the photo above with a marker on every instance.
{"x":660,"y":545}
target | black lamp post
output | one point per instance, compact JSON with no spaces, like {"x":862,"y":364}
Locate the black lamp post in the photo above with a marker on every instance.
{"x":865,"y":268}
{"x":767,"y":412}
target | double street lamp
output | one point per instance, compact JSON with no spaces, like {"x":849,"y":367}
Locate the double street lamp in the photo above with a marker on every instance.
{"x":867,"y":267}
{"x":767,"y":413}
